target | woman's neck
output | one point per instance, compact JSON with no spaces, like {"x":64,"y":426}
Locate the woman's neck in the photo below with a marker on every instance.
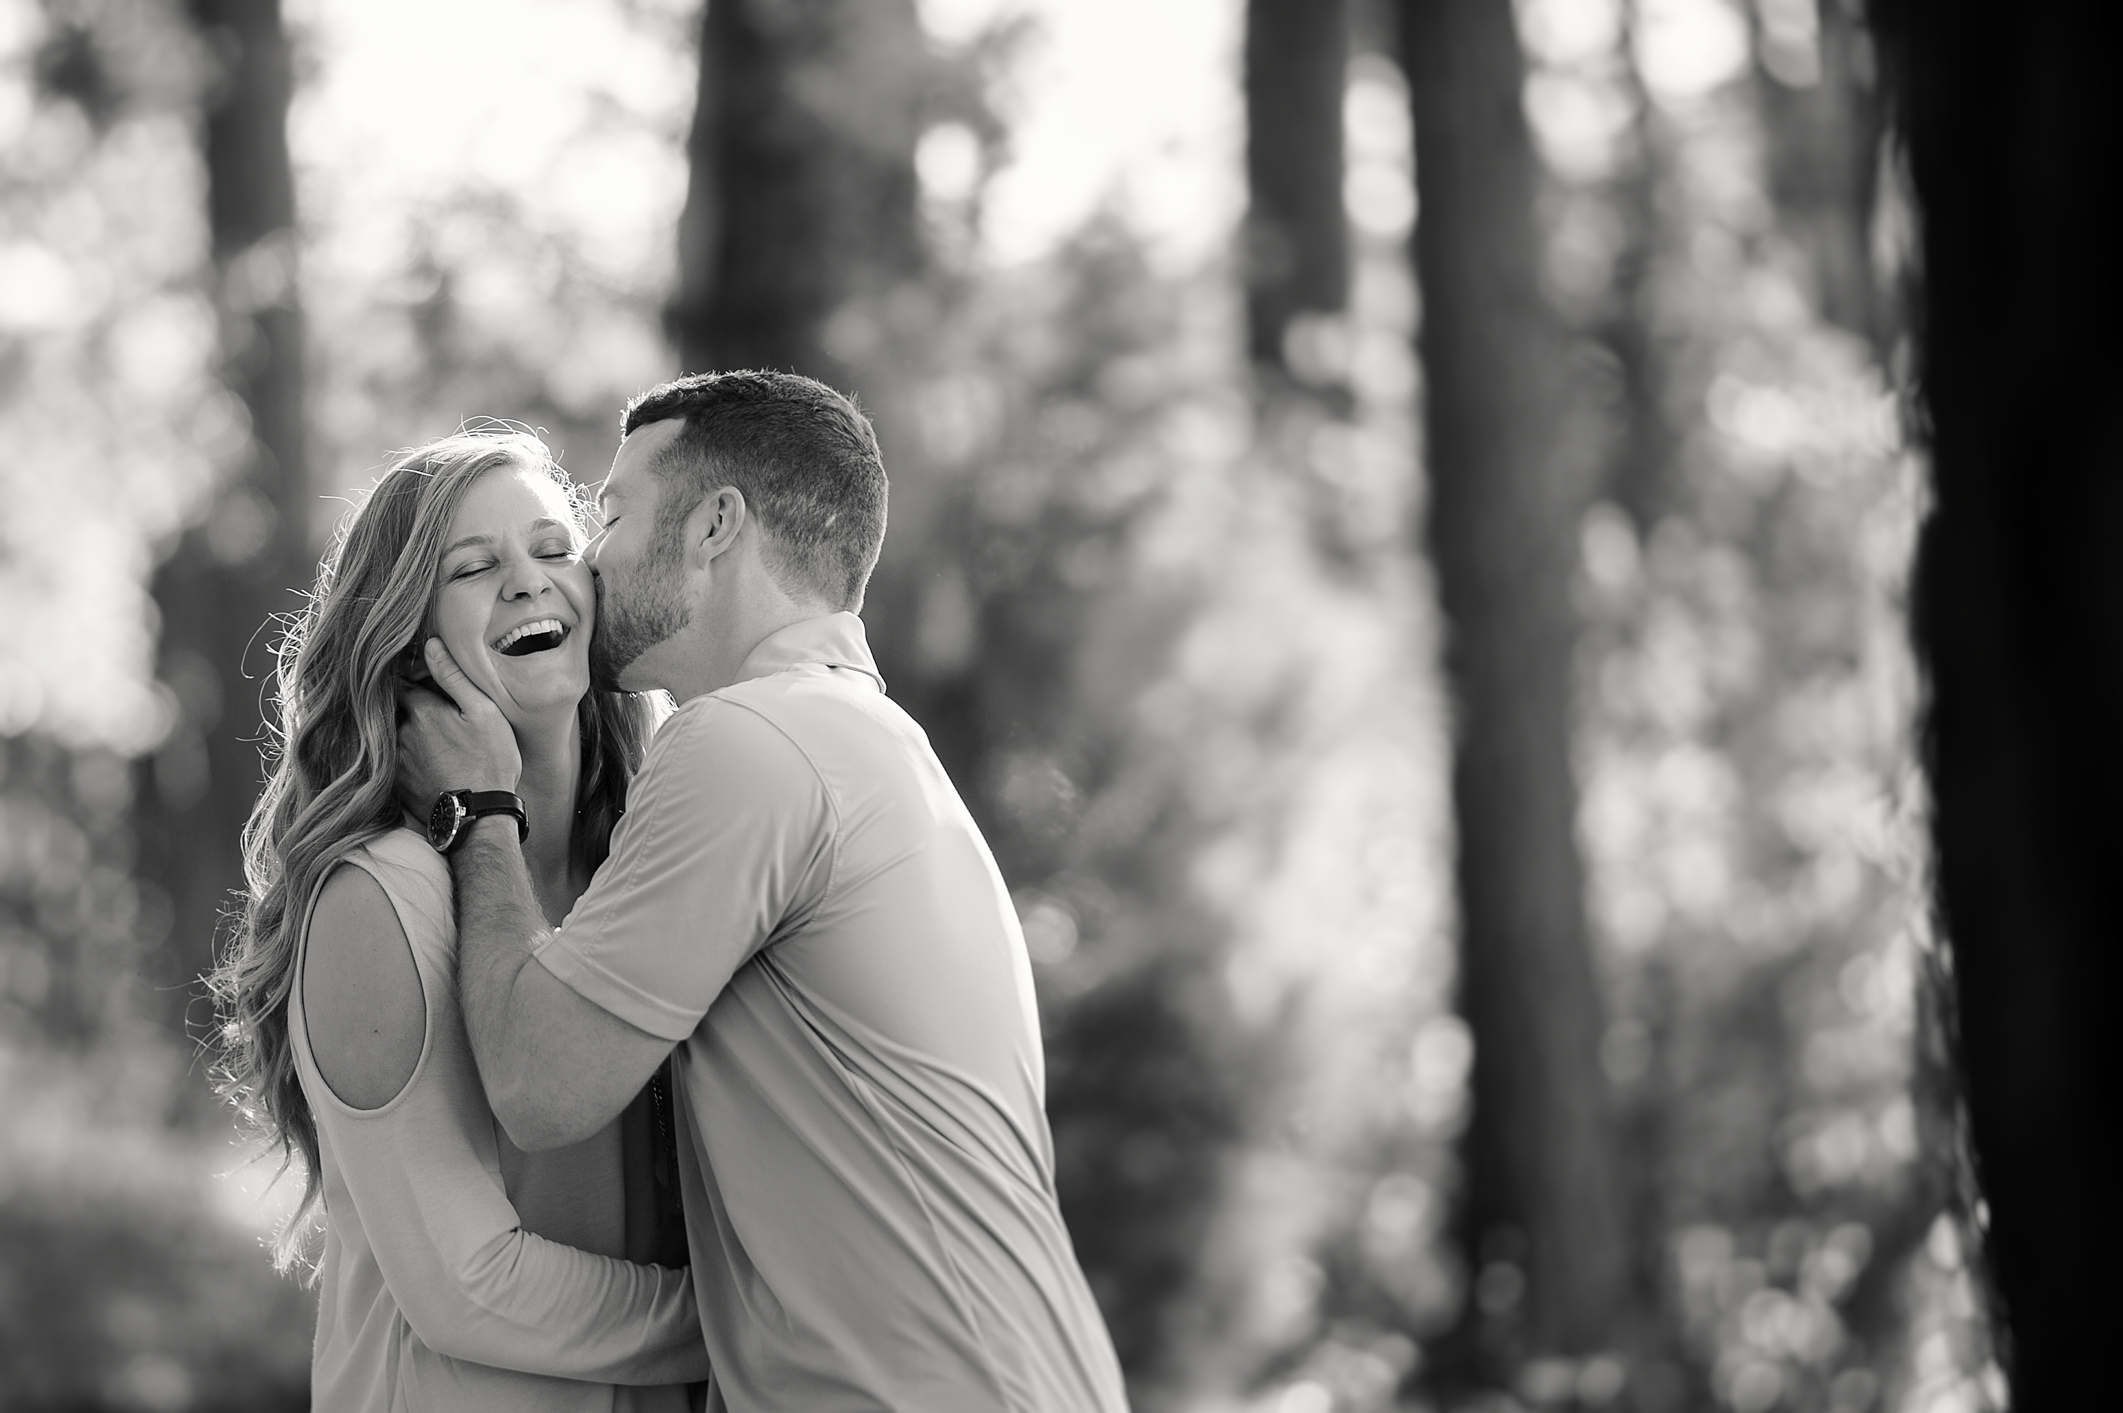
{"x":552,"y":772}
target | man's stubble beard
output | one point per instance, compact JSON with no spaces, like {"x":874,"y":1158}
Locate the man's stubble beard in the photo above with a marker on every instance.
{"x":629,"y":624}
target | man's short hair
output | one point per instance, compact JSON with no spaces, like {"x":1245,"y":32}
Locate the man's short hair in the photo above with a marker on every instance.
{"x":803,"y":456}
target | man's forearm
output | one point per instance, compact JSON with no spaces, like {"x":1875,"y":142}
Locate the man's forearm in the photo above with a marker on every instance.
{"x":498,"y":922}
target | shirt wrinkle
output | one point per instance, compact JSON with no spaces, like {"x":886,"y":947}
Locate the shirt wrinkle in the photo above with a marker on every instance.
{"x":874,"y":1103}
{"x":946,"y":1248}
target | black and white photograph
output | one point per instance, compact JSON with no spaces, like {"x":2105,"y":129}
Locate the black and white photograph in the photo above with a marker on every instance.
{"x":1060,"y":706}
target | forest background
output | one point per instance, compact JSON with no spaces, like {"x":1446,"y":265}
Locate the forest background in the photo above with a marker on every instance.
{"x":1256,"y":381}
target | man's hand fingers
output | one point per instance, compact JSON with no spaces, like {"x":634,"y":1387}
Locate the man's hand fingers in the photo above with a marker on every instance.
{"x":453,"y":736}
{"x":448,"y":677}
{"x":420,"y":699}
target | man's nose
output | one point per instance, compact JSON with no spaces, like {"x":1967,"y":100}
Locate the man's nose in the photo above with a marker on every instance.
{"x":590,"y":551}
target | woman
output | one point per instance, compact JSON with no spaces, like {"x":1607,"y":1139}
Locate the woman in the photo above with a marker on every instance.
{"x":457,"y":1271}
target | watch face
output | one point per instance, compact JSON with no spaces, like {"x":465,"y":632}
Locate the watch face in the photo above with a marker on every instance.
{"x":444,"y":820}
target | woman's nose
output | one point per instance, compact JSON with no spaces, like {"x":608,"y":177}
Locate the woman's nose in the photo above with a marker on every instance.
{"x":525,"y":579}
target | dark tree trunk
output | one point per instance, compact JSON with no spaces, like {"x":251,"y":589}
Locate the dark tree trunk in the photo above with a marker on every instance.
{"x":228,"y":574}
{"x":1541,"y":1191}
{"x":799,"y":226}
{"x":2015,"y":146}
{"x":802,"y":197}
{"x":1296,"y":235}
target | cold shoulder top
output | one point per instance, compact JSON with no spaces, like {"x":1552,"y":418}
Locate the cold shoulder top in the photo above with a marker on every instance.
{"x":459,"y":1272}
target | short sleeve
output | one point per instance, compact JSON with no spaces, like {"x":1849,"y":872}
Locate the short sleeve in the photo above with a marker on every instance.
{"x":728,"y":837}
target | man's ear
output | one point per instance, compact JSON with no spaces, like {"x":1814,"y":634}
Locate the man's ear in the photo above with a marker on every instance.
{"x":714,"y":525}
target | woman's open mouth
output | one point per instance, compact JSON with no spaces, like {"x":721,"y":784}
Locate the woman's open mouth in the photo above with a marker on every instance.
{"x":537,"y":636}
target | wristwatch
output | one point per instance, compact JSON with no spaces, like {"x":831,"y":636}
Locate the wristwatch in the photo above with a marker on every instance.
{"x":456,"y":809}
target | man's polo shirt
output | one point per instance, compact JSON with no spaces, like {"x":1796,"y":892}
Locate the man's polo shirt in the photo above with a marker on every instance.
{"x":798,"y":896}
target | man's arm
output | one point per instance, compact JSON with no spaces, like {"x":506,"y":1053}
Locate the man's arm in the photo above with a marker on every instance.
{"x":556,"y":1067}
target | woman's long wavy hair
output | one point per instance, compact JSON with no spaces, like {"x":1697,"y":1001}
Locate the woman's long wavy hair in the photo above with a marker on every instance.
{"x":333,"y":758}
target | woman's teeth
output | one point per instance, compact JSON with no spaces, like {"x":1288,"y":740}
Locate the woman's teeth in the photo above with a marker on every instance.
{"x":533,"y":637}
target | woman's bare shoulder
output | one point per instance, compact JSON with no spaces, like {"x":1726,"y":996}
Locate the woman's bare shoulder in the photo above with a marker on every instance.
{"x":361,"y":992}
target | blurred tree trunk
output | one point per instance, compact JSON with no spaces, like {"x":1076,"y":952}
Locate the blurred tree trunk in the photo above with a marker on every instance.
{"x":2015,"y":147}
{"x":799,"y":231}
{"x":1646,"y":465}
{"x":1542,"y":1199}
{"x":234,"y":569}
{"x":1296,"y":235}
{"x":800,"y":211}
{"x":1821,"y":116}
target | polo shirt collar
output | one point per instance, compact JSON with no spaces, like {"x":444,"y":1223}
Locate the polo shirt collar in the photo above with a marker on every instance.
{"x":836,"y":640}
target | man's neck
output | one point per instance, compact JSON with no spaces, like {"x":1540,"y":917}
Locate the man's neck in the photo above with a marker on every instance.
{"x":718,"y":655}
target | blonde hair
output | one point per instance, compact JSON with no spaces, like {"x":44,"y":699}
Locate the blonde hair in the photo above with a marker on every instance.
{"x":333,"y":761}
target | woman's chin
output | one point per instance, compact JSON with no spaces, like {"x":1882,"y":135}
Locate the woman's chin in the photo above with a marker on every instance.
{"x":543,"y":691}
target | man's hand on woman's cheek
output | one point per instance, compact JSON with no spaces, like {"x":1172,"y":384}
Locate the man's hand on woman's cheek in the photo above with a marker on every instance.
{"x":452,"y":737}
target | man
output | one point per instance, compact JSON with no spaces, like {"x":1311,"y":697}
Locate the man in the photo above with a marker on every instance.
{"x":797,"y":899}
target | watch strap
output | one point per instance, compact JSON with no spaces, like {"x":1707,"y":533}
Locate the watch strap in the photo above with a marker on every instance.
{"x":479,"y":802}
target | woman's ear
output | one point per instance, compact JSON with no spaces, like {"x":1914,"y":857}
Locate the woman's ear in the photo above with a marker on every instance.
{"x":413,"y":663}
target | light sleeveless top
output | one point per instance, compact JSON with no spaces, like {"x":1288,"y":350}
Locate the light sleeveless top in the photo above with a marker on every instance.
{"x":459,"y":1272}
